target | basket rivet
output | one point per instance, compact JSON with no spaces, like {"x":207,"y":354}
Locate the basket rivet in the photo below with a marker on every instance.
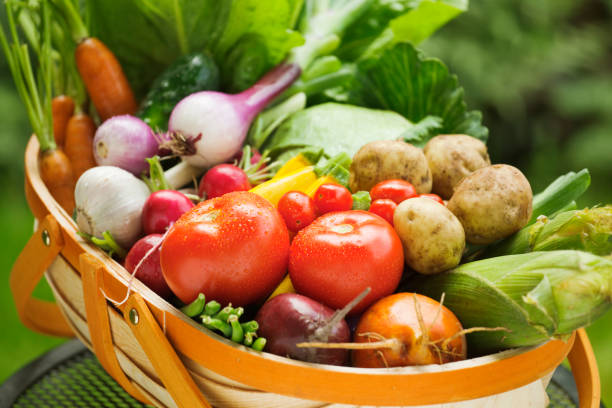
{"x":46,"y":238}
{"x":134,"y":316}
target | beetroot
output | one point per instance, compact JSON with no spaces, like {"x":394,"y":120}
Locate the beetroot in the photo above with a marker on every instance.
{"x":163,"y":208}
{"x":290,"y":318}
{"x":149,"y":272}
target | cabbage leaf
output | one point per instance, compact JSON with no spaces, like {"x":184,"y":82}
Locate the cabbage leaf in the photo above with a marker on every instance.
{"x":148,"y":35}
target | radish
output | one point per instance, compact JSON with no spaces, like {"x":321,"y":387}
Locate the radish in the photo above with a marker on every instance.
{"x":221,"y":179}
{"x":250,"y":169}
{"x":209,"y":127}
{"x":162,"y":209}
{"x":125,"y":141}
{"x":144,"y":258}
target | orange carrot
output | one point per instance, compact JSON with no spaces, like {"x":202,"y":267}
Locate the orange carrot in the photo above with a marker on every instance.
{"x":56,"y":173}
{"x":79,"y":143}
{"x":62,"y":108}
{"x":104,"y":79}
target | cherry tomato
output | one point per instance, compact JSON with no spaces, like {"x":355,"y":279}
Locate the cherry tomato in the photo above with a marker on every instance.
{"x":222,"y":179}
{"x":434,"y":197}
{"x":385,"y":208}
{"x":341,"y":253}
{"x":332,"y":197}
{"x":297,"y":209}
{"x":232,"y":248}
{"x":396,"y":190}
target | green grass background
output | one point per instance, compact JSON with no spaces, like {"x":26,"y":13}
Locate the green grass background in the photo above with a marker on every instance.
{"x":540,"y":71}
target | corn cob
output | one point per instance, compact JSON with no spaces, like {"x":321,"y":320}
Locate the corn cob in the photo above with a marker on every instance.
{"x":588,"y":230}
{"x":535,"y":296}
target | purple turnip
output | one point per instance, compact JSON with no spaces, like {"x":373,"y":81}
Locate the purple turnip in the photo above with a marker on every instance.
{"x":125,"y":141}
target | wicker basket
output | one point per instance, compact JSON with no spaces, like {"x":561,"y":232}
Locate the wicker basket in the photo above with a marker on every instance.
{"x":163,"y":358}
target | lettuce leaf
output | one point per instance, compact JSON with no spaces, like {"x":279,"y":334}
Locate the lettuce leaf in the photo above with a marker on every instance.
{"x":148,"y":35}
{"x":336,"y":128}
{"x":391,"y":21}
{"x":405,"y":81}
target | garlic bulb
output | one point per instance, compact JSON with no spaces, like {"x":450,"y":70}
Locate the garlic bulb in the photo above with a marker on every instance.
{"x":110,"y":199}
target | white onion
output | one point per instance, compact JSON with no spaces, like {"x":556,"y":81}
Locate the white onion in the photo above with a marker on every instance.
{"x":110,"y":199}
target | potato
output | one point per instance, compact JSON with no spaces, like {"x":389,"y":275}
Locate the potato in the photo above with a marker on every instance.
{"x":492,"y":203}
{"x":432,"y":236}
{"x":389,"y":159}
{"x":453,"y":157}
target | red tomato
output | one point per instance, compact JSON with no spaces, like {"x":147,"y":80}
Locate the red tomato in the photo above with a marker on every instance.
{"x":434,"y":197}
{"x":332,"y":197}
{"x":232,"y":248}
{"x":340,"y":254}
{"x":396,"y":190}
{"x":384,"y":208}
{"x":297,"y":209}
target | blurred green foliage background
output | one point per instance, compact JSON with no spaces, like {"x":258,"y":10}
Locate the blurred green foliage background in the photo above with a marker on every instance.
{"x":540,"y":71}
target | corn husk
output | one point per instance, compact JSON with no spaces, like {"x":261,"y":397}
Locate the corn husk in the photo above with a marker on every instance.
{"x":560,"y":194}
{"x":535,"y":296}
{"x":587,"y":230}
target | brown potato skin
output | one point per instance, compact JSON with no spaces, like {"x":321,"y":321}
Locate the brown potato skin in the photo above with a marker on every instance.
{"x":432,"y":237}
{"x":453,"y":157}
{"x":395,"y":317}
{"x":389,"y":159}
{"x":492,"y":203}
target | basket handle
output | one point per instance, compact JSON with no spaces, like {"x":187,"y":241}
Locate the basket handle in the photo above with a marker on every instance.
{"x":41,"y":249}
{"x":584,"y":367}
{"x":162,"y":355}
{"x":98,"y":322}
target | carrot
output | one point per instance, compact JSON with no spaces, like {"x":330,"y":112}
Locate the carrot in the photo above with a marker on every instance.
{"x":62,"y":108}
{"x":104,"y":79}
{"x":56,"y":173}
{"x":79,"y":143}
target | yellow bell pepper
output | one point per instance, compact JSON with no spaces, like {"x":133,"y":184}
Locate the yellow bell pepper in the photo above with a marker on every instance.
{"x":274,"y":189}
{"x":284,"y":287}
{"x":293,"y":164}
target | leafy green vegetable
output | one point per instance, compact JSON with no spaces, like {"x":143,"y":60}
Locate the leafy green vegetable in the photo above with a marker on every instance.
{"x":336,"y":128}
{"x":148,"y":35}
{"x":393,"y":21}
{"x":405,"y":81}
